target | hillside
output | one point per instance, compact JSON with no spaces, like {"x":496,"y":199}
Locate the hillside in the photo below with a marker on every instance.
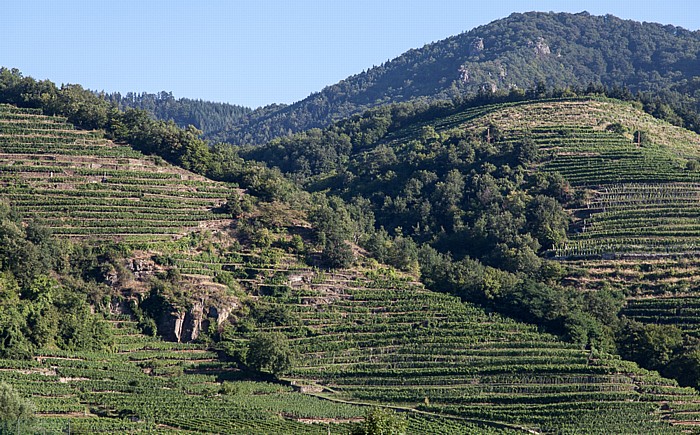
{"x":81,"y":185}
{"x":517,"y":52}
{"x":363,"y":335}
{"x":576,"y":213}
{"x":446,"y":366}
{"x":207,"y":116}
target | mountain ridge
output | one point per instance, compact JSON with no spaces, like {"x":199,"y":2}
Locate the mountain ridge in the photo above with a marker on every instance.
{"x":517,"y":52}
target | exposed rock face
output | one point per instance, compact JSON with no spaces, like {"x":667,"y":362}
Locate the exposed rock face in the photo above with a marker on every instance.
{"x":119,"y":306}
{"x":464,"y":74}
{"x":194,"y":322}
{"x":541,"y":48}
{"x":220,"y":314}
{"x":209,"y":301}
{"x":476,"y":47}
{"x":141,"y":267}
{"x":184,"y":326}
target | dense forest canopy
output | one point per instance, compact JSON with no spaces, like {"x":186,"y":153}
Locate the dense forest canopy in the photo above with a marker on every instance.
{"x":207,"y":116}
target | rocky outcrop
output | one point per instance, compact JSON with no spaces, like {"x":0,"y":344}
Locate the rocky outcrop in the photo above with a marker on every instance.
{"x":476,"y":46}
{"x":541,"y":48}
{"x":120,"y":306}
{"x":142,"y":267}
{"x":464,"y":74}
{"x":184,"y":326}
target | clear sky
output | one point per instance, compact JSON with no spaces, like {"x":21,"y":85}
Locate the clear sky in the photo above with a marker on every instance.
{"x":253,"y":52}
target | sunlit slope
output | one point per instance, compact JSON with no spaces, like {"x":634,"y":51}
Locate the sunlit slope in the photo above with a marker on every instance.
{"x":150,"y":386}
{"x":637,"y":178}
{"x":82,"y":185}
{"x":634,"y":199}
{"x":636,"y":223}
{"x":368,"y":336}
{"x":373,"y":336}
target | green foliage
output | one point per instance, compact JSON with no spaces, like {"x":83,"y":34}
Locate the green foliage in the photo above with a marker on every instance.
{"x":584,"y":319}
{"x":692,"y":165}
{"x":685,"y":367}
{"x":652,"y":346}
{"x":568,"y":50}
{"x":37,"y":311}
{"x":381,"y":421}
{"x":14,"y":408}
{"x":270,"y":351}
{"x":263,"y":314}
{"x":463,"y":193}
{"x":336,"y":252}
{"x":179,"y":146}
{"x":547,"y":221}
{"x":296,"y":244}
{"x":207,"y":116}
{"x":617,"y":127}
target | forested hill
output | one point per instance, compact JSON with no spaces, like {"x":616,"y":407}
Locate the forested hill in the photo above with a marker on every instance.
{"x":208,"y":116}
{"x":557,"y":49}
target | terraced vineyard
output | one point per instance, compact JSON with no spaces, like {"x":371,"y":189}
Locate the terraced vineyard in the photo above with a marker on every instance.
{"x":379,"y":338}
{"x":642,"y":197}
{"x":637,"y":227}
{"x":373,"y":336}
{"x":82,"y":185}
{"x":151,"y":386}
{"x":367,"y":336}
{"x":635,"y":202}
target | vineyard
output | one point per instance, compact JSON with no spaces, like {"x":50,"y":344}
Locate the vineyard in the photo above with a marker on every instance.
{"x":636,"y":224}
{"x":373,"y":336}
{"x":365,"y":337}
{"x":368,"y":336}
{"x":377,"y":337}
{"x":84,"y":186}
{"x":150,"y":386}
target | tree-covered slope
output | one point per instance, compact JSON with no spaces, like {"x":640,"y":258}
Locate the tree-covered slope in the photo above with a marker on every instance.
{"x":363,"y":336}
{"x":517,"y":52}
{"x":551,"y":197}
{"x":207,"y":116}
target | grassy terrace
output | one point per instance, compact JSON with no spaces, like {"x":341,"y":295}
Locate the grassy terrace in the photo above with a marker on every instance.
{"x":82,"y":185}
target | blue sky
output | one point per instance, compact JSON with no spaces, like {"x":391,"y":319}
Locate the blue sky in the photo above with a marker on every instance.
{"x":253,"y":52}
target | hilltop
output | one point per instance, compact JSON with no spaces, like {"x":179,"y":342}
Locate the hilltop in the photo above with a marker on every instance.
{"x":206,"y":116}
{"x":508,"y":55}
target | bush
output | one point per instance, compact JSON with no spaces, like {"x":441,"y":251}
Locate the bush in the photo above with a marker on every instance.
{"x":380,"y":421}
